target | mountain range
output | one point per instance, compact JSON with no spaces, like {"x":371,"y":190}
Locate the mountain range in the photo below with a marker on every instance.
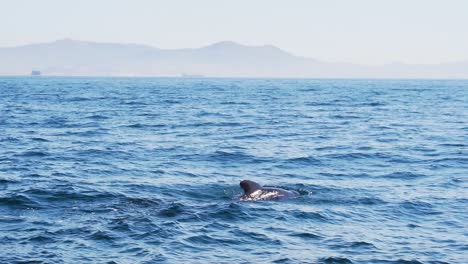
{"x":68,"y":57}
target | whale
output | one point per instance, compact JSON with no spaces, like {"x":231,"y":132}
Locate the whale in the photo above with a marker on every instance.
{"x":256,"y":192}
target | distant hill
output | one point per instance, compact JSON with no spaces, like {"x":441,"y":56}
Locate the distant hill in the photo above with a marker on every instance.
{"x":223,"y":59}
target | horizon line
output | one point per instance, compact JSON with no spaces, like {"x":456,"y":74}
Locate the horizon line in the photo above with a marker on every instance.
{"x":236,"y":77}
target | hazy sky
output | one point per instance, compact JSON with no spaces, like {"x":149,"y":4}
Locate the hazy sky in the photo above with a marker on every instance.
{"x":359,"y":31}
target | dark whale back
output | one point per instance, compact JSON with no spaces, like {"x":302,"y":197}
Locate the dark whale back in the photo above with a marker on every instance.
{"x":249,"y":186}
{"x":255,"y":192}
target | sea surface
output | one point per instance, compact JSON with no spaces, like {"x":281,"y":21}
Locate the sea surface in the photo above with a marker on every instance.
{"x":147,"y":170}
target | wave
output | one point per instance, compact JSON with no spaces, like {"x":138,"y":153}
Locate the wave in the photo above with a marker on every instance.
{"x":345,"y":117}
{"x":19,"y":201}
{"x":404,"y":176}
{"x":228,"y":156}
{"x":8,"y":181}
{"x":206,"y":239}
{"x":40,"y":139}
{"x":335,"y":260}
{"x":33,"y":154}
{"x":230,"y":213}
{"x":308,"y":160}
{"x":173,"y":210}
{"x":102,"y":153}
{"x":139,"y":125}
{"x":306,"y":236}
{"x":418,"y":208}
{"x":235,"y":157}
{"x":98,"y":117}
{"x":315,"y":216}
{"x":211,"y":124}
{"x":9,"y":139}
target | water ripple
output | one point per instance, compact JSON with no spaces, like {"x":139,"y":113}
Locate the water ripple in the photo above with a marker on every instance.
{"x":147,"y":170}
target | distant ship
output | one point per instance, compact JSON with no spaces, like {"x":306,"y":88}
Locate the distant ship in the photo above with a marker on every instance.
{"x":35,"y":73}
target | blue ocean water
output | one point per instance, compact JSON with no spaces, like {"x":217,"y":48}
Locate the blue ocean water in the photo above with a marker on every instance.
{"x":136,"y":170}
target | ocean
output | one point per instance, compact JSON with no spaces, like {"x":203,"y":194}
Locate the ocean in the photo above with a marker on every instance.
{"x":147,"y":170}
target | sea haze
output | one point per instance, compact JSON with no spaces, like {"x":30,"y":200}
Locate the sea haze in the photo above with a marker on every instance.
{"x":147,"y":170}
{"x":224,"y":59}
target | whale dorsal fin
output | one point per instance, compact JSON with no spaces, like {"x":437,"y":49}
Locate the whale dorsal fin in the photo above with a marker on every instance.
{"x":249,"y":186}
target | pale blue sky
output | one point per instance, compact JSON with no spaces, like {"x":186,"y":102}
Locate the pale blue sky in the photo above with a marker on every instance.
{"x":359,"y":31}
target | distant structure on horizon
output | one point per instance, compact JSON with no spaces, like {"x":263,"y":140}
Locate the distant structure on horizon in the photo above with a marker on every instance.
{"x":223,"y":59}
{"x":35,"y":73}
